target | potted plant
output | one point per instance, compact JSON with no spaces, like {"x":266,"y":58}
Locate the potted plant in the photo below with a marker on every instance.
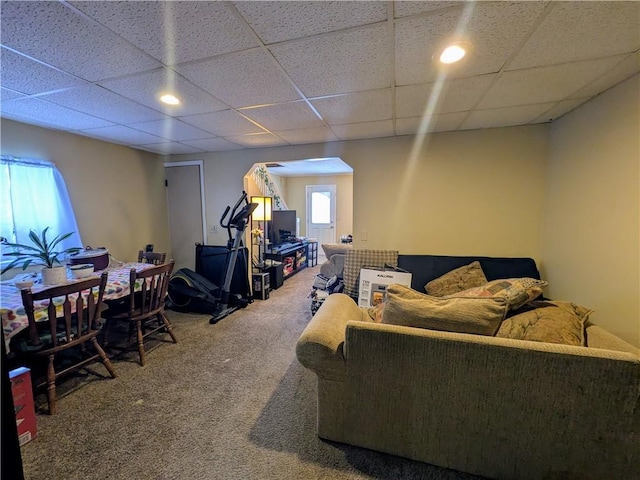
{"x":41,"y":252}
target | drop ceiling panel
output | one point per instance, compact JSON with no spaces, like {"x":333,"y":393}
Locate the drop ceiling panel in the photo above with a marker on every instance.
{"x":27,"y":76}
{"x":349,"y":61}
{"x":307,"y":135}
{"x":146,"y":88}
{"x":174,"y":32}
{"x":50,"y":114}
{"x":559,"y":109}
{"x":496,"y":117}
{"x":627,"y":67}
{"x":566,"y":34}
{"x":224,"y":123}
{"x":411,"y":7}
{"x":353,"y":131}
{"x":169,"y":148}
{"x":52,"y":33}
{"x":100,"y":102}
{"x":545,"y":84}
{"x":6,"y":94}
{"x":122,"y":134}
{"x":283,"y":116}
{"x":216,"y":144}
{"x":257,"y":140}
{"x":279,"y":21}
{"x":241,"y":79}
{"x":433,"y":123}
{"x":355,"y":107}
{"x":493,"y":28}
{"x":171,"y":129}
{"x":455,"y":96}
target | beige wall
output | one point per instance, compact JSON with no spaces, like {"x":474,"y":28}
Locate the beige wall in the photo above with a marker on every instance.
{"x":117,"y":193}
{"x":592,"y":215}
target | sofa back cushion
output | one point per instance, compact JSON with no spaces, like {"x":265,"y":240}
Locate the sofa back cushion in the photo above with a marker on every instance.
{"x":330,"y":249}
{"x":429,"y":267}
{"x":410,"y":308}
{"x":355,"y":259}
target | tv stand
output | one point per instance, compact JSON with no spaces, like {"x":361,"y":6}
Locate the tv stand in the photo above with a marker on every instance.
{"x":293,"y":256}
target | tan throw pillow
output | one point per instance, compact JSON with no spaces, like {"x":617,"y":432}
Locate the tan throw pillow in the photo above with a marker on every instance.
{"x":457,"y":280}
{"x":410,"y":308}
{"x":331,"y":249}
{"x":548,"y":321}
{"x":517,"y":291}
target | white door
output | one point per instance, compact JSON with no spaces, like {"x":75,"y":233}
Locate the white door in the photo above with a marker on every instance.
{"x":185,"y":202}
{"x":321,"y":213}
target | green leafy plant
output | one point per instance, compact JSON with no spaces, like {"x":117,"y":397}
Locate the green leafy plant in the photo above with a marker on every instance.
{"x":41,"y":252}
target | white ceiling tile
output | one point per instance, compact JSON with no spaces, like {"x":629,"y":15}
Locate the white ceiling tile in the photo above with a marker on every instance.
{"x":308,"y":135}
{"x":544,"y":84}
{"x":624,"y":69}
{"x":171,"y":129}
{"x":352,"y":131}
{"x":168,"y":148}
{"x":559,"y":109}
{"x":224,"y":123}
{"x":456,"y":95}
{"x":283,"y":116}
{"x":343,"y":62}
{"x":355,"y":107}
{"x":435,"y":123}
{"x":49,"y":113}
{"x":567,"y":33}
{"x":7,"y":94}
{"x":146,"y":88}
{"x":174,"y":32}
{"x":242,"y":79}
{"x":502,"y":117}
{"x":100,"y":102}
{"x":284,"y":20}
{"x":256,"y":140}
{"x":54,"y":34}
{"x":122,"y":134}
{"x":413,"y":7}
{"x":24,"y":75}
{"x":493,"y":28}
{"x":213,"y":144}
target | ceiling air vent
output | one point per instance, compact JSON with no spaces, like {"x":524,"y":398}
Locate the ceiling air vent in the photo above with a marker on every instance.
{"x":272,"y":165}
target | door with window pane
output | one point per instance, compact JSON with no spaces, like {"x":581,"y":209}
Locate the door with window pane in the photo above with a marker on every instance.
{"x":321,"y":213}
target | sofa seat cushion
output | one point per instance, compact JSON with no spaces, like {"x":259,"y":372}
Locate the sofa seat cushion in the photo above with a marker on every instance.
{"x":457,"y":280}
{"x":516,"y":291}
{"x":477,"y":315}
{"x":548,"y":321}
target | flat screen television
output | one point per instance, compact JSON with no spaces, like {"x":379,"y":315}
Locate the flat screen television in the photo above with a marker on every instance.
{"x":283,"y":226}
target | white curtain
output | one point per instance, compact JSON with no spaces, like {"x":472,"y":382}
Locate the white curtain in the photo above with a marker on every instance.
{"x":34,"y":196}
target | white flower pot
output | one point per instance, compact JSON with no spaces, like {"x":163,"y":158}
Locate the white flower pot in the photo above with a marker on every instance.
{"x":54,"y":276}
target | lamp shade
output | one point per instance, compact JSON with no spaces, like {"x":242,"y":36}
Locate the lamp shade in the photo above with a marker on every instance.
{"x":263,"y":210}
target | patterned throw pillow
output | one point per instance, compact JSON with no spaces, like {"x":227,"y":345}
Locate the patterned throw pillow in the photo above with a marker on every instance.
{"x":548,"y":321}
{"x":516,"y":291}
{"x":457,"y":280}
{"x":481,"y":316}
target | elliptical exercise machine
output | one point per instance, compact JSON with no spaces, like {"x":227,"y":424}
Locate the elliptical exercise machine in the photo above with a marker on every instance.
{"x":190,"y":291}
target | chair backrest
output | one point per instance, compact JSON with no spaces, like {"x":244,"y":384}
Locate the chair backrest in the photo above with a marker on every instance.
{"x":151,"y":257}
{"x":153,"y":284}
{"x":78,"y":305}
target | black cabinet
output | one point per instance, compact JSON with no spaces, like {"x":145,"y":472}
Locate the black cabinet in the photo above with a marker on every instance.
{"x":292,"y":255}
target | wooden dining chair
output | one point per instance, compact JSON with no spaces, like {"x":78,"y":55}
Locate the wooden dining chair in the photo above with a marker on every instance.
{"x":151,"y":257}
{"x":73,"y":320}
{"x":145,"y":306}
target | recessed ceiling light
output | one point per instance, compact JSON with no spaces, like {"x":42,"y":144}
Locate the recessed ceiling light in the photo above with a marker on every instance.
{"x":170,"y":99}
{"x":452,"y":54}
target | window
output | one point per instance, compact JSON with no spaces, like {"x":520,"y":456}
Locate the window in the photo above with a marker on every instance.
{"x":33,"y":196}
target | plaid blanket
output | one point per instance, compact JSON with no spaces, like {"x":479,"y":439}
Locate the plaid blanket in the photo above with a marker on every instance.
{"x":355,"y":259}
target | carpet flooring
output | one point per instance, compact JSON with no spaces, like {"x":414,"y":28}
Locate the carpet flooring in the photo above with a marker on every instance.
{"x":229,"y":401}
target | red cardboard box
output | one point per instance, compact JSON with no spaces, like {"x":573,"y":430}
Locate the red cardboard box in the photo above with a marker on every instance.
{"x":23,"y":404}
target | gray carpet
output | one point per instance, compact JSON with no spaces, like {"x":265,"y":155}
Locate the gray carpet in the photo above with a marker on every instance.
{"x":230,"y":401}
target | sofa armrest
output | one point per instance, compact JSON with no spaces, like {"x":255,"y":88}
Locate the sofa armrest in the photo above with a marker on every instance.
{"x":319,"y":348}
{"x":598,"y":337}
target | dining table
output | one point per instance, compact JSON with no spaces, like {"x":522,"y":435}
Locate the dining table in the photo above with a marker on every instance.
{"x":14,"y":318}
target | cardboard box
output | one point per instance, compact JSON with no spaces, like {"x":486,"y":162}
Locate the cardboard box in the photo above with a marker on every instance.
{"x":374,"y":282}
{"x":23,"y":404}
